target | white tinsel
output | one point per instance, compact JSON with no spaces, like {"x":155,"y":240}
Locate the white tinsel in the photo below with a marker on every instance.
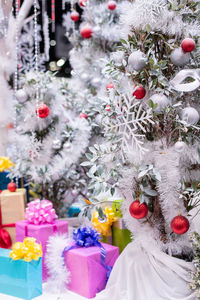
{"x":59,"y":275}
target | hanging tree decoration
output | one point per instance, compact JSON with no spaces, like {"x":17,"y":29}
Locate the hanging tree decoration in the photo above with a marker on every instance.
{"x":53,"y":15}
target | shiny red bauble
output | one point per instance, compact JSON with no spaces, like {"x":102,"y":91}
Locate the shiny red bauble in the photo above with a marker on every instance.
{"x":180,"y":225}
{"x":86,"y":32}
{"x":82,"y":3}
{"x":83,"y":116}
{"x":75,"y":16}
{"x":12,"y":187}
{"x":188,"y":45}
{"x":140,"y":92}
{"x":110,"y":86}
{"x":42,"y":111}
{"x":112,"y":5}
{"x":137,"y":210}
{"x":107,"y":107}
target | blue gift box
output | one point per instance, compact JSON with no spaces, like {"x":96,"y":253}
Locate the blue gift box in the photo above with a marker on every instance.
{"x":19,"y":278}
{"x":4,"y":181}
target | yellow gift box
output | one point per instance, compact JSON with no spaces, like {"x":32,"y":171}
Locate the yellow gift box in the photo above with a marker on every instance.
{"x":12,"y":209}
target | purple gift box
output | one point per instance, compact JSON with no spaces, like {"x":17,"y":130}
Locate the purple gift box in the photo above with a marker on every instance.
{"x":88,"y":275}
{"x":41,"y":233}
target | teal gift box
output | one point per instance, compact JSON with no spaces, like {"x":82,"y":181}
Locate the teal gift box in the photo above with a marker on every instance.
{"x":19,"y":278}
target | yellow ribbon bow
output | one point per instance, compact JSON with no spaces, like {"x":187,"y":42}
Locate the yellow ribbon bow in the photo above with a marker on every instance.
{"x":104,"y":227}
{"x":5,"y":163}
{"x":28,"y":250}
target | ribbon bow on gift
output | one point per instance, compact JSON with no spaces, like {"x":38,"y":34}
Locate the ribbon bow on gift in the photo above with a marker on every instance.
{"x":5,"y":239}
{"x":103,"y":226}
{"x":28,"y":250}
{"x":87,"y":237}
{"x":5,"y":163}
{"x":177,"y":82}
{"x":40,"y":212}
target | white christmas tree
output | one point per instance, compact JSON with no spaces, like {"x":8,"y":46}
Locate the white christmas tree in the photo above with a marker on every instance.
{"x":150,"y":155}
{"x":50,"y":137}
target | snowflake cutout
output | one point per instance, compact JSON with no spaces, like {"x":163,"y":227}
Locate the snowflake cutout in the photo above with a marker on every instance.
{"x":129,"y":123}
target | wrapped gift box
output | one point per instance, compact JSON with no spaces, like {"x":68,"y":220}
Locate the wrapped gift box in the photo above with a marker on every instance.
{"x":19,"y":278}
{"x":88,"y":275}
{"x":121,"y":236}
{"x":4,"y":181}
{"x":12,"y":209}
{"x":41,"y":233}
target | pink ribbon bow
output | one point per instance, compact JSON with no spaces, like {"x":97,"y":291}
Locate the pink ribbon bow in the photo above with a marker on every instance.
{"x":40,"y":212}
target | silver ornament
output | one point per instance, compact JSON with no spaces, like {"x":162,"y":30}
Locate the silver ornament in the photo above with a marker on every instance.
{"x":21,"y":95}
{"x":178,"y":82}
{"x":179,"y":58}
{"x":103,"y":219}
{"x":190,"y":115}
{"x":137,"y":61}
{"x":161,"y":100}
{"x":85,"y":77}
{"x":97,"y":29}
{"x":96,"y":81}
{"x":179,"y":146}
{"x":56,"y":144}
{"x":74,"y":192}
{"x":67,"y":146}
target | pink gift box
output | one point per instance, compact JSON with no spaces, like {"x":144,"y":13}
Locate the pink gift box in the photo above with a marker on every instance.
{"x":88,"y":275}
{"x":41,"y":233}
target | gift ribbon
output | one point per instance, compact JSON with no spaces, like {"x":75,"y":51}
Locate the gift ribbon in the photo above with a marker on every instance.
{"x":177,"y":84}
{"x":87,"y":237}
{"x":40,"y":212}
{"x":5,"y":239}
{"x":27,"y":234}
{"x":28,"y":250}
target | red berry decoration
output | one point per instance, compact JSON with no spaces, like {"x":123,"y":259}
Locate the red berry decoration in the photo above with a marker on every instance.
{"x":107,"y":107}
{"x":75,"y":16}
{"x":112,"y":5}
{"x":86,"y":32}
{"x":137,"y":210}
{"x":42,"y":111}
{"x":12,"y":187}
{"x":139,"y":93}
{"x":82,"y":3}
{"x":180,"y":225}
{"x":188,"y":45}
{"x":110,"y":86}
{"x":83,"y":116}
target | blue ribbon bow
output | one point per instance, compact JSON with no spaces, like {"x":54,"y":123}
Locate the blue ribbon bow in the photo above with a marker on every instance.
{"x":87,"y":237}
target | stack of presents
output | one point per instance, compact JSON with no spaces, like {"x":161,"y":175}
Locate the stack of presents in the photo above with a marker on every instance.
{"x":25,"y":228}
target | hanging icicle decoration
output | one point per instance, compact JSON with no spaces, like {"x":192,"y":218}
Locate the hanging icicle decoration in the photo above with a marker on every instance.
{"x":63,"y":4}
{"x":53,"y":15}
{"x":36,"y":53}
{"x":45,"y":25}
{"x":17,"y":8}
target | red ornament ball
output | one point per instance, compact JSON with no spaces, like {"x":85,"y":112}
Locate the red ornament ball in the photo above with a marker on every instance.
{"x":83,"y":116}
{"x":12,"y":187}
{"x":137,"y":210}
{"x":75,"y":16}
{"x":140,"y":92}
{"x":82,"y":3}
{"x":42,"y":111}
{"x":107,"y":107}
{"x":86,"y":32}
{"x":180,"y":225}
{"x":112,"y":5}
{"x":110,"y":86}
{"x":188,"y":45}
